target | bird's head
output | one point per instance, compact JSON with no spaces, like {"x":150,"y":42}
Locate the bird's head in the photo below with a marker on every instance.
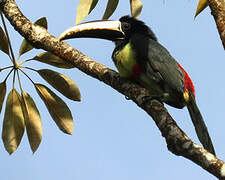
{"x":114,"y":30}
{"x":131,"y":26}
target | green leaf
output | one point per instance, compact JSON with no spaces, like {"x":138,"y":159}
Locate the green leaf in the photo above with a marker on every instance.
{"x":32,"y":120}
{"x":61,"y":83}
{"x":42,"y":22}
{"x":4,"y":45}
{"x":13,"y":123}
{"x":136,"y":7}
{"x":202,"y":4}
{"x":84,"y":8}
{"x":111,"y":7}
{"x":2,"y":93}
{"x":26,"y":46}
{"x":57,"y":108}
{"x":51,"y":59}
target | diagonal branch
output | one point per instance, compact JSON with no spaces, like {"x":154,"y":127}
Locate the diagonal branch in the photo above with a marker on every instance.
{"x":218,"y":11}
{"x":177,"y":141}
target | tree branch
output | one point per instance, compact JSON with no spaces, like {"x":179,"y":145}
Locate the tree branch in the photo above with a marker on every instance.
{"x":177,"y":141}
{"x":218,"y":11}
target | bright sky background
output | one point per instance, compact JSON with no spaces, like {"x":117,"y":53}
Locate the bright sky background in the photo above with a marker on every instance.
{"x":113,"y":138}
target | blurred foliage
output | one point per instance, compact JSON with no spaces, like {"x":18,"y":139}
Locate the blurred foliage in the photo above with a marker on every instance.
{"x":202,"y":4}
{"x":111,"y":7}
{"x":86,"y":6}
{"x":136,"y":7}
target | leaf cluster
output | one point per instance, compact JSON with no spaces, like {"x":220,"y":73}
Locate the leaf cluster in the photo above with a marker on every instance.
{"x":21,"y":112}
{"x":85,"y":7}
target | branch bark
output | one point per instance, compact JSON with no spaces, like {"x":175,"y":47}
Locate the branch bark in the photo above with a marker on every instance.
{"x":177,"y":141}
{"x":218,"y":11}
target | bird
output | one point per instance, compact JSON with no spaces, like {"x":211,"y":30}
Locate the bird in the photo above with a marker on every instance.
{"x":139,"y":56}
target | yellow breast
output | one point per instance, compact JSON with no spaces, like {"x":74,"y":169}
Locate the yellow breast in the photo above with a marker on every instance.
{"x":125,"y":60}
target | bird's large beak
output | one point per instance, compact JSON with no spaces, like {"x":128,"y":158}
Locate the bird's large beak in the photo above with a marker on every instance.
{"x":107,"y":29}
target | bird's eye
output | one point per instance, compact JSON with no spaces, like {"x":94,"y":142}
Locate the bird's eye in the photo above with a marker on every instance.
{"x":126,"y":26}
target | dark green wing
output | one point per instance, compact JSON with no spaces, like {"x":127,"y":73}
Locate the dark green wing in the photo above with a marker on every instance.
{"x":157,"y":62}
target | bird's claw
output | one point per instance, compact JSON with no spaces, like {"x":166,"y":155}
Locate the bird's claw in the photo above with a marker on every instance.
{"x":127,"y":98}
{"x":160,"y":98}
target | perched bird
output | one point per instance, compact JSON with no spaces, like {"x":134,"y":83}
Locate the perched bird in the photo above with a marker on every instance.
{"x":139,"y":56}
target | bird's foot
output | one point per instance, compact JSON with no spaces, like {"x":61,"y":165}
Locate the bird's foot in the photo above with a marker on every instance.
{"x":160,"y":98}
{"x":127,"y":98}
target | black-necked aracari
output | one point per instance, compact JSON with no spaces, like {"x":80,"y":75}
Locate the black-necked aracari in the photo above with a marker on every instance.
{"x":139,"y":56}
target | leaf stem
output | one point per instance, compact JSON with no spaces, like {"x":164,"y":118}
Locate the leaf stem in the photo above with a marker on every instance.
{"x":29,"y":68}
{"x":8,"y":75}
{"x":1,"y":69}
{"x":14,"y":79}
{"x":26,"y":75}
{"x":18,"y":76}
{"x":25,"y":61}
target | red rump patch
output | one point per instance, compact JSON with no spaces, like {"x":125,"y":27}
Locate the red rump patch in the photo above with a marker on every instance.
{"x":189,"y":86}
{"x":136,"y":71}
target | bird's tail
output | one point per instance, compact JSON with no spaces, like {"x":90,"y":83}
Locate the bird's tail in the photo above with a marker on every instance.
{"x":200,"y":127}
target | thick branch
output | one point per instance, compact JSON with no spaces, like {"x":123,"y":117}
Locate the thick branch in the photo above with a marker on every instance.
{"x":218,"y":11}
{"x":177,"y":141}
